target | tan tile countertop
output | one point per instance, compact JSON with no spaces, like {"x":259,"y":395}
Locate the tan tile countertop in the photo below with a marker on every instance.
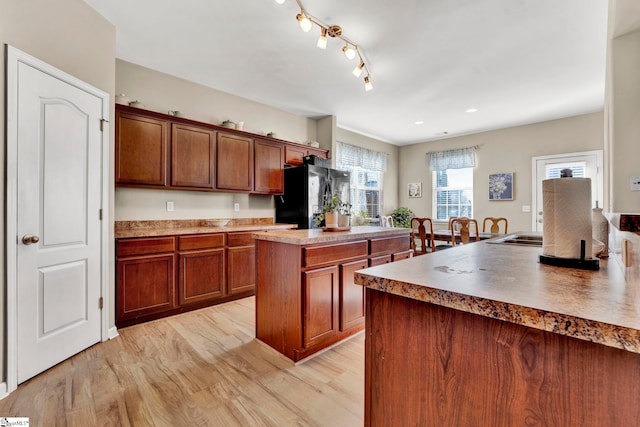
{"x":506,"y":282}
{"x":128,"y":229}
{"x":316,"y":235}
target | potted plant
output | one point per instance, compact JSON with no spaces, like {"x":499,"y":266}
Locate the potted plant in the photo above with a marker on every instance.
{"x":344,"y":213}
{"x":402,"y":217}
{"x":329,"y":211}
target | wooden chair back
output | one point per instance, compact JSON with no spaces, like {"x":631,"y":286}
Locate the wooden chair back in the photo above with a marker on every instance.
{"x":386,"y":221}
{"x":495,"y":224}
{"x":463,"y":224}
{"x":422,"y":230}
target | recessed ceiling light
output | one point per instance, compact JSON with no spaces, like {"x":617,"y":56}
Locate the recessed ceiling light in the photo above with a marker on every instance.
{"x":471,"y":110}
{"x":419,"y":122}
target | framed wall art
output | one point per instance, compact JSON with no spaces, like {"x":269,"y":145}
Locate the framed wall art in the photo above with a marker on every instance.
{"x":414,"y":189}
{"x":501,"y":186}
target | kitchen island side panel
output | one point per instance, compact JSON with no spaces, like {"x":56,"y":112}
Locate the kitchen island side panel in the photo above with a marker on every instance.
{"x":431,"y":365}
{"x":279,"y":296}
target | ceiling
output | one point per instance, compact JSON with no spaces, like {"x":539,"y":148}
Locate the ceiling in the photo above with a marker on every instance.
{"x":515,"y":61}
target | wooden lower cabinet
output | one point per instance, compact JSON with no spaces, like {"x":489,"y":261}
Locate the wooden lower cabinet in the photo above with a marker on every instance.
{"x":161,"y":276}
{"x":351,"y":296}
{"x":320,"y":288}
{"x":201,"y":276}
{"x":146,"y":285}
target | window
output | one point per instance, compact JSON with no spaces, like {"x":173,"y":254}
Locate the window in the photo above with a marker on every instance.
{"x":553,"y":170}
{"x":452,"y":182}
{"x":367,"y":169}
{"x":453,"y":193}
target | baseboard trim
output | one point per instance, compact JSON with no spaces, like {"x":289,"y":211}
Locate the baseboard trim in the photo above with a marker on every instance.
{"x":3,"y":391}
{"x":112,"y":333}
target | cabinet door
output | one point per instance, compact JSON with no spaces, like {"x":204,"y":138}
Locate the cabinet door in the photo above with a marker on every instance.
{"x":351,"y":296}
{"x":145,"y":285}
{"x":402,"y":255}
{"x":294,"y":155}
{"x":269,"y":169}
{"x":241,"y":269}
{"x":234,"y":163}
{"x":141,"y":150}
{"x":192,"y":156}
{"x":201,"y":276}
{"x":320,"y":305}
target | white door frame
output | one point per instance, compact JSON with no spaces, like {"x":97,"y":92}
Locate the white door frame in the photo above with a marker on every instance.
{"x":13,"y":58}
{"x":534,"y":179}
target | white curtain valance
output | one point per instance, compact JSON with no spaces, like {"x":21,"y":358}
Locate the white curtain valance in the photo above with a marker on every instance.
{"x":351,"y":155}
{"x":452,"y":159}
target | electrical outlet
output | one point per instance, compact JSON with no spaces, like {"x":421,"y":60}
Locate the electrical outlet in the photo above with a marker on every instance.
{"x":526,"y":208}
{"x":169,"y":206}
{"x":635,"y":183}
{"x":236,"y":207}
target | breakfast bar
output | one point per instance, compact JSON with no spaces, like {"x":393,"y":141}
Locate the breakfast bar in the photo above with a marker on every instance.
{"x":485,"y":335}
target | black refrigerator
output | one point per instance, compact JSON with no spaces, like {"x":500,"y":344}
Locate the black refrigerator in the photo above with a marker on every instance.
{"x":305,"y":189}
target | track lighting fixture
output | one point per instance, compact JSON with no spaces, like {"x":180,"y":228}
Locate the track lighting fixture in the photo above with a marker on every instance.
{"x":350,"y":49}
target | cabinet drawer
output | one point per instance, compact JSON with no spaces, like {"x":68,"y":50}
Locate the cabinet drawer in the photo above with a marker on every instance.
{"x":145,"y":246}
{"x":240,"y":239}
{"x":379,"y":260}
{"x":388,"y":245}
{"x":317,"y":255}
{"x":203,"y":241}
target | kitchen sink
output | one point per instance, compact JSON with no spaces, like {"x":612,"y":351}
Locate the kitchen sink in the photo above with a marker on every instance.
{"x":519,"y":239}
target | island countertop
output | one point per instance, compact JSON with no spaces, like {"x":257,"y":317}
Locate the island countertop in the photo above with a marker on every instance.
{"x":507,"y":283}
{"x":317,"y":235}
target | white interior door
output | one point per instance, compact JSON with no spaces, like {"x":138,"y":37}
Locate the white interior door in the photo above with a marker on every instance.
{"x":58,"y":229}
{"x":584,"y":165}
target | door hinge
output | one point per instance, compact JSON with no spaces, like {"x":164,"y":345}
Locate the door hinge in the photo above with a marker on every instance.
{"x":102,"y":122}
{"x":101,"y":303}
{"x":100,"y":214}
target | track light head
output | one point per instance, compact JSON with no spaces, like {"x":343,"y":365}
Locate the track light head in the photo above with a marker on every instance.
{"x":304,"y":21}
{"x":367,"y":84}
{"x":358,"y":70}
{"x":322,"y":40}
{"x":349,"y":52}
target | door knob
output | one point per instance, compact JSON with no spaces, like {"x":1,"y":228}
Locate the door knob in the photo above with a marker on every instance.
{"x":30,"y":239}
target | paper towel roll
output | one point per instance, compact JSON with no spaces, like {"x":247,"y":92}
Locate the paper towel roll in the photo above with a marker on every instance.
{"x":566,"y":216}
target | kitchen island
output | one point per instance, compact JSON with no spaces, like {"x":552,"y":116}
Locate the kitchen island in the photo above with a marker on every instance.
{"x":306,"y":299}
{"x":485,"y":335}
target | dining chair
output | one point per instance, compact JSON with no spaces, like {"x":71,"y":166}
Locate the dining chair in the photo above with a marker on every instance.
{"x":422,"y":231}
{"x":463,"y":223}
{"x":386,"y":221}
{"x":495,"y":224}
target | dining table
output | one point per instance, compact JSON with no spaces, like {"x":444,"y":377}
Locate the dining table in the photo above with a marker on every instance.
{"x":445,"y":235}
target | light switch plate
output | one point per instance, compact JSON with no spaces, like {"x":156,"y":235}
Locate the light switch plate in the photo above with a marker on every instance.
{"x":236,"y":207}
{"x":526,"y":208}
{"x":169,"y":206}
{"x":635,"y":183}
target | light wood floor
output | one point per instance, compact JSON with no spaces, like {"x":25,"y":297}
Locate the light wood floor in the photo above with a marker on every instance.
{"x":203,"y":368}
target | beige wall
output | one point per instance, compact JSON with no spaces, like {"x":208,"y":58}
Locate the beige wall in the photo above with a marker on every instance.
{"x":623,"y":148}
{"x":69,"y":35}
{"x":162,"y":92}
{"x":505,"y":150}
{"x":390,"y":180}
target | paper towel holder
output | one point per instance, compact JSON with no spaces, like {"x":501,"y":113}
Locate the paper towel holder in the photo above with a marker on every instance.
{"x":581,"y":263}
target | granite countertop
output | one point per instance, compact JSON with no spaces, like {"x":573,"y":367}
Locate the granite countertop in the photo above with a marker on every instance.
{"x":129,"y":229}
{"x":506,"y":282}
{"x":316,"y":235}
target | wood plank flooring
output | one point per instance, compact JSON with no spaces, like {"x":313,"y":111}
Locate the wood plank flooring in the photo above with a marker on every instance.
{"x":202,"y":368}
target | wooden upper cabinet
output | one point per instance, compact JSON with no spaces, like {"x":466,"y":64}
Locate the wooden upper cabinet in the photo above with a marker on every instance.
{"x":294,"y":155}
{"x":269,"y":174}
{"x":141,"y":150}
{"x":234,"y":162}
{"x":192,"y":156}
